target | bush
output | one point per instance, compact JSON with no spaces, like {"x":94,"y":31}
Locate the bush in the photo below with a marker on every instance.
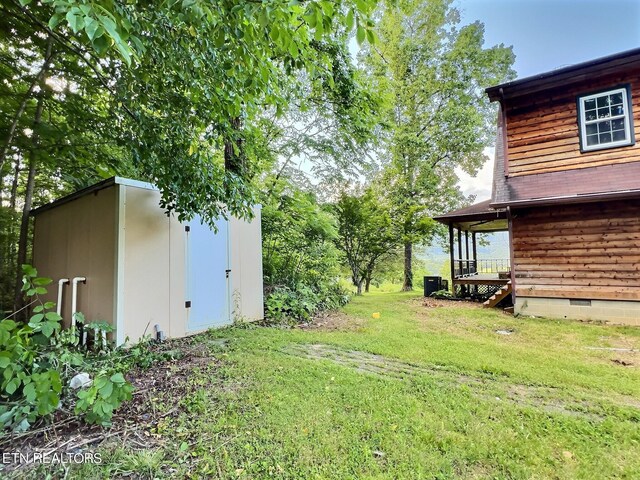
{"x":39,"y":358}
{"x":300,"y":261}
{"x":285,"y":305}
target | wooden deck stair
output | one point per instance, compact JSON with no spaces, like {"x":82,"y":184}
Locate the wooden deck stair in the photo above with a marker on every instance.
{"x":498,"y":296}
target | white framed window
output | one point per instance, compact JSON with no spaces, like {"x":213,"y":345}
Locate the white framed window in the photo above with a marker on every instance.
{"x":605,"y":119}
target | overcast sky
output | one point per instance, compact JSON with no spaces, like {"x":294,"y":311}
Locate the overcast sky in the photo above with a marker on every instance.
{"x":550,"y":34}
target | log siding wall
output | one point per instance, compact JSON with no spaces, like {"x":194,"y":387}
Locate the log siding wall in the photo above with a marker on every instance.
{"x":543,"y":132}
{"x":589,"y":251}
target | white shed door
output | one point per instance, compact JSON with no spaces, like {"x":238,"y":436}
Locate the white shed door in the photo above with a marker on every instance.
{"x":207,"y":272}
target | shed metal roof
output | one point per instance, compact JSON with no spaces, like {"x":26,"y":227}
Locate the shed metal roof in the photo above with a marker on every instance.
{"x":93,"y":188}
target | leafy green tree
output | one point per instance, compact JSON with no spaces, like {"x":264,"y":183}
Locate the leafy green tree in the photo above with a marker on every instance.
{"x":200,"y":72}
{"x":366,"y":235}
{"x":432,"y":73}
{"x":178,"y":88}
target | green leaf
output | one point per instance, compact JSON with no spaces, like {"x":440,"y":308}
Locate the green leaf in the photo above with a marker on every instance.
{"x":117,"y":378}
{"x":274,"y":33}
{"x":4,"y":362}
{"x":38,"y":309}
{"x":371,"y":38}
{"x":125,"y":51}
{"x":12,"y":386}
{"x":30,"y":392}
{"x":35,"y":319}
{"x":42,"y":281}
{"x":105,"y":392}
{"x":24,"y":3}
{"x":76,"y":22}
{"x":29,"y":271}
{"x":53,"y":316}
{"x":293,"y":49}
{"x":92,"y":28}
{"x":54,"y":20}
{"x":220,"y":38}
{"x":7,"y":324}
{"x":47,"y":329}
{"x":350,"y":20}
{"x":360,"y":34}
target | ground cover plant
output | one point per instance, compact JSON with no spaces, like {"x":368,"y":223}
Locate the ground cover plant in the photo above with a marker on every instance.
{"x":431,"y":389}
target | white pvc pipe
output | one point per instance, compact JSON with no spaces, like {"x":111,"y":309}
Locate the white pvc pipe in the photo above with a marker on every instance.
{"x":61,"y":283}
{"x":74,"y":298}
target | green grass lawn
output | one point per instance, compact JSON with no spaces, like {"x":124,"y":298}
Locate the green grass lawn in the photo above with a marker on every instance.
{"x":418,"y":393}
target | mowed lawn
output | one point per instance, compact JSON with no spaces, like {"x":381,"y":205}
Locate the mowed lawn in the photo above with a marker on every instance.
{"x":421,"y":392}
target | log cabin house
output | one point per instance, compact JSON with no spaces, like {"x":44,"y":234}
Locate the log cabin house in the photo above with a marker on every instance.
{"x":566,"y":187}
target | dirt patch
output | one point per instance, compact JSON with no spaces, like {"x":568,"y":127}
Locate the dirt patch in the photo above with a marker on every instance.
{"x":440,"y":303}
{"x":159,"y":394}
{"x":334,"y":321}
{"x":485,"y":386}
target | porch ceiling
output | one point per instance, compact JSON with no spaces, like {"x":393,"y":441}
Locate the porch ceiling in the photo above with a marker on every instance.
{"x":480,"y":217}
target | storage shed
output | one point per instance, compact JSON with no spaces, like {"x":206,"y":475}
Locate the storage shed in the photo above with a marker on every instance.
{"x":144,"y":271}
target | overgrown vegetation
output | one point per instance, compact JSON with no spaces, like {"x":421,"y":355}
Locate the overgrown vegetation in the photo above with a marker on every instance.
{"x":39,"y":359}
{"x":300,"y":260}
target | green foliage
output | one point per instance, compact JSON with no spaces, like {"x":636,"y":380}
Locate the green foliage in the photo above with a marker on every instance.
{"x":30,"y":386}
{"x":106,"y":393}
{"x":285,"y":305}
{"x":300,"y":261}
{"x":366,"y":234}
{"x":39,"y":358}
{"x":187,"y":81}
{"x":432,"y":73}
{"x":442,"y":294}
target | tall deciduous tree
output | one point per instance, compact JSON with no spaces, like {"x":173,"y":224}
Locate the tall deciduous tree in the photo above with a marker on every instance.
{"x":433,"y":73}
{"x":182,"y":84}
{"x":365,"y":235}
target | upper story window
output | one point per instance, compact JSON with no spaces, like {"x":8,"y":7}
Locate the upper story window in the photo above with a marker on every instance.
{"x":605,"y":119}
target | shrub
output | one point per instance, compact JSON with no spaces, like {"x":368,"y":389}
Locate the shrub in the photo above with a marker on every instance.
{"x":39,"y":358}
{"x":285,"y":305}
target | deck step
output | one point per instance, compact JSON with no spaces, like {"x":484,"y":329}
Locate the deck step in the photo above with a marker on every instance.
{"x":497,"y":297}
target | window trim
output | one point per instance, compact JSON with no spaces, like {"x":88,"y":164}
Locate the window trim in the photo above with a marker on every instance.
{"x":629,"y":129}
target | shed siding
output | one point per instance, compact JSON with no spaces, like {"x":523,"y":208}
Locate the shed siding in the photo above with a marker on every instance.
{"x":543,"y":132}
{"x":245,"y":238}
{"x":588,"y":251}
{"x":147,"y":293}
{"x":78,"y":240}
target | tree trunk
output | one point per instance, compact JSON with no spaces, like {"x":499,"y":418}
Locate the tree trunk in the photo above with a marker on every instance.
{"x":234,"y":160}
{"x":23,"y":240}
{"x":408,"y":270}
{"x":23,"y":105}
{"x":367,"y":283}
{"x":14,"y":186}
{"x":359,"y":291}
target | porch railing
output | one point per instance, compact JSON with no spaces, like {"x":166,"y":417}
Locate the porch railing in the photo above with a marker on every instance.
{"x":465,"y":268}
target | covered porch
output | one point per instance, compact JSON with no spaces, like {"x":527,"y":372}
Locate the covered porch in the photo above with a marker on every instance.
{"x":472,"y":277}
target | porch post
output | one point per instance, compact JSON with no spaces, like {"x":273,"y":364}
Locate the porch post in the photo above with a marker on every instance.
{"x":451,"y":256}
{"x":511,"y":256}
{"x":466,"y":241}
{"x":475,"y":251}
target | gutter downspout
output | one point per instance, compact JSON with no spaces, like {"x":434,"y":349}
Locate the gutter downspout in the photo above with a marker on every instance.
{"x":61,"y":284}
{"x":74,"y":298}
